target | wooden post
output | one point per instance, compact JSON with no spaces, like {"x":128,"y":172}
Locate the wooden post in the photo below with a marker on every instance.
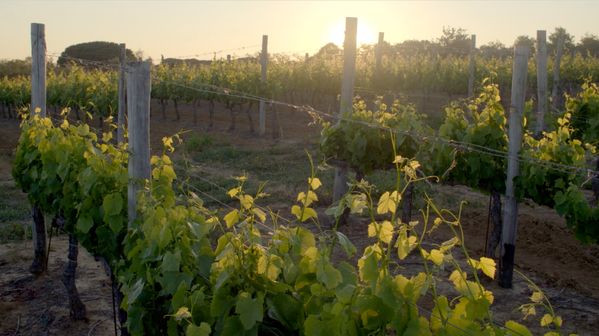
{"x":263,"y":64}
{"x":347,"y":95}
{"x":138,"y":106}
{"x":378,"y":54}
{"x":510,"y":214}
{"x":38,"y":101}
{"x":541,"y":80}
{"x":306,"y":57}
{"x":228,"y":58}
{"x":556,"y":66}
{"x":38,"y":68}
{"x":471,"y":66}
{"x":120,"y":131}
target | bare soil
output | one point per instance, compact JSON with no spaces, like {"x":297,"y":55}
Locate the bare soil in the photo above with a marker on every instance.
{"x":547,"y":251}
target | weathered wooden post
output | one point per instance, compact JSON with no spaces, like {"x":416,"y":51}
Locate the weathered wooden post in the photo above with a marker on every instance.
{"x":541,"y":81}
{"x":556,"y":65}
{"x":263,"y":64}
{"x":471,"y":68}
{"x":120,"y":131}
{"x":138,"y":106}
{"x":510,"y":214}
{"x":38,"y":106}
{"x":347,"y":93}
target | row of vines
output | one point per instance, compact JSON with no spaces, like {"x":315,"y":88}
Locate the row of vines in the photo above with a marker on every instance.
{"x":299,"y":82}
{"x":183,"y":269}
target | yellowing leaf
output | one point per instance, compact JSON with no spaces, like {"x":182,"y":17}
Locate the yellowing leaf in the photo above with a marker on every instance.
{"x":232,"y":218}
{"x":383,"y":231}
{"x":303,"y":215}
{"x":405,"y":246}
{"x":487,"y":265}
{"x":436,"y":256}
{"x":557,"y":321}
{"x":546,"y":320}
{"x":182,"y":313}
{"x":106,"y":136}
{"x":536,"y":297}
{"x":260,"y":214}
{"x":398,"y":159}
{"x":314,"y":182}
{"x":233,"y":192}
{"x":367,"y":314}
{"x":246,"y":201}
{"x":388,"y":202}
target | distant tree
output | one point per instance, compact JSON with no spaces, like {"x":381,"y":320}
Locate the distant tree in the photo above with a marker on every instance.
{"x":99,"y":51}
{"x":15,"y":67}
{"x":589,"y":45}
{"x":328,"y":50}
{"x":554,"y":37}
{"x":455,"y":41}
{"x":525,"y":41}
{"x":495,"y":49}
{"x":414,"y":48}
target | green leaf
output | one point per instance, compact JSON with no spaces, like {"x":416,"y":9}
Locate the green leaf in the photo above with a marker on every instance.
{"x":84,"y":223}
{"x":346,"y":244}
{"x":112,"y":204}
{"x":287,"y":310}
{"x":328,"y":275}
{"x":250,"y":309}
{"x":171,"y":261}
{"x":194,"y":330}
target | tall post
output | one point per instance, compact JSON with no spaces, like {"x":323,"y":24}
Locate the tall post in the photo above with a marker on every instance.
{"x":263,"y":63}
{"x":138,"y":106}
{"x":556,"y":65}
{"x":471,"y":66}
{"x":38,"y":106}
{"x":510,"y":214}
{"x":120,"y":131}
{"x":228,"y":58}
{"x":347,"y":95}
{"x":541,"y":80}
{"x":306,"y":57}
{"x":38,"y":68}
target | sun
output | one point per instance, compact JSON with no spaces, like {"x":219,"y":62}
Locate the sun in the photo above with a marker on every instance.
{"x":366,"y":35}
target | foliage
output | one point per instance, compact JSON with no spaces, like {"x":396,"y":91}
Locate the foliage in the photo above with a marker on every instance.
{"x":97,"y":51}
{"x":178,"y":280}
{"x":367,"y":140}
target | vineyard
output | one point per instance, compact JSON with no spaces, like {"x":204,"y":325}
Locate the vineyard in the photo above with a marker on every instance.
{"x":198,"y":238}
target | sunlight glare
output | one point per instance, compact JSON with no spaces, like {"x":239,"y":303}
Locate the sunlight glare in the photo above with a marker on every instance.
{"x":366,"y":35}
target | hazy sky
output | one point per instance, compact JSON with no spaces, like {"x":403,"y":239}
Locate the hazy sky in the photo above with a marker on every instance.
{"x":188,"y":28}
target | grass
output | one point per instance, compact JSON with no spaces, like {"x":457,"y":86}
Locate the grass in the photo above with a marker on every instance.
{"x":15,"y":212}
{"x":282,"y":168}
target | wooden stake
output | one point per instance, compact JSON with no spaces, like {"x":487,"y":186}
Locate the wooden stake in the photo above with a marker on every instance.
{"x":38,"y":101}
{"x":120,"y":131}
{"x":263,"y":64}
{"x":541,"y":80}
{"x":138,"y":105}
{"x":347,"y":95}
{"x":510,"y":214}
{"x":38,"y":68}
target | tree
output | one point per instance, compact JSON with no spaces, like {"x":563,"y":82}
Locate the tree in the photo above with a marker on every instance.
{"x":92,"y":54}
{"x":415,"y":48}
{"x":589,"y":45}
{"x":495,"y":49}
{"x":455,"y":41}
{"x":554,"y":37}
{"x":525,"y":40}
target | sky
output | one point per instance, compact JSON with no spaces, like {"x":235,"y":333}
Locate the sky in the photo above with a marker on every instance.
{"x":203,"y":29}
